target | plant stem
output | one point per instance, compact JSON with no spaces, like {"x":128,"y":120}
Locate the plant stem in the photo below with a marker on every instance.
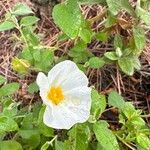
{"x":98,"y":17}
{"x":145,"y":116}
{"x":132,"y":148}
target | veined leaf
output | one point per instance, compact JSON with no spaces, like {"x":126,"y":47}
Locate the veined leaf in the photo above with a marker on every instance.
{"x":127,"y":66}
{"x":21,"y":9}
{"x":116,"y":100}
{"x":9,"y":89}
{"x":139,"y":38}
{"x":116,"y":6}
{"x":68,"y":17}
{"x":6,"y":25}
{"x":105,"y":136}
{"x":10,"y":145}
{"x":96,"y":62}
{"x":111,"y":55}
{"x":144,"y":15}
{"x":28,"y":20}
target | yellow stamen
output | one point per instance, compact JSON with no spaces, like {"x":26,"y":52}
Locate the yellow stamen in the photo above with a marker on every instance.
{"x":55,"y":94}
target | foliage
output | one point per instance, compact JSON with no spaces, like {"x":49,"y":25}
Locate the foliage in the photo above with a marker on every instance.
{"x":22,"y":127}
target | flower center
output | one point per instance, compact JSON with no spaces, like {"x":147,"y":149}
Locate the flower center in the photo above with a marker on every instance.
{"x":55,"y":94}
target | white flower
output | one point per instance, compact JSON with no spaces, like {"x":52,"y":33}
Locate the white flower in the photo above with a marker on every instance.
{"x":66,"y":94}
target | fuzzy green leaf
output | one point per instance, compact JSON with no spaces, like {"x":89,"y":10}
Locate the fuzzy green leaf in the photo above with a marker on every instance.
{"x":21,"y":9}
{"x":127,"y":66}
{"x":139,"y":38}
{"x":116,"y":6}
{"x":9,"y":89}
{"x":96,"y":62}
{"x":105,"y":136}
{"x":10,"y":145}
{"x":28,"y":20}
{"x":143,"y":141}
{"x":111,"y":55}
{"x":68,"y":18}
{"x":6,"y":25}
{"x":98,"y":104}
{"x":144,"y":15}
{"x":116,"y":100}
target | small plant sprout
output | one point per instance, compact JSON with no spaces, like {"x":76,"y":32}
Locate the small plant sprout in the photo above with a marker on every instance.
{"x":66,"y":94}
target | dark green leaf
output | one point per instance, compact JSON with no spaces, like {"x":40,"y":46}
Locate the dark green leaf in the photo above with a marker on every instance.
{"x":6,"y":25}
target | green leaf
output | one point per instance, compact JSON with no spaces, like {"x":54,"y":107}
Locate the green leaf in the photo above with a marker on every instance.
{"x":45,"y":61}
{"x":79,"y":136}
{"x":28,"y":20}
{"x":96,"y":62}
{"x":6,"y":25}
{"x":137,"y":64}
{"x":127,"y":66}
{"x":116,"y":100}
{"x":105,"y":136}
{"x":143,"y":141}
{"x":2,"y":79}
{"x":101,"y":36}
{"x":30,"y":137}
{"x":111,"y":20}
{"x":7,"y":124}
{"x":118,"y":41}
{"x":92,"y":1}
{"x":98,"y":104}
{"x":21,"y":9}
{"x":20,"y":65}
{"x":9,"y":89}
{"x":45,"y":146}
{"x":111,"y":55}
{"x":68,"y":18}
{"x":10,"y":145}
{"x":59,"y":145}
{"x":33,"y":88}
{"x":139,"y":38}
{"x":117,"y":6}
{"x":85,"y":35}
{"x":144,"y":15}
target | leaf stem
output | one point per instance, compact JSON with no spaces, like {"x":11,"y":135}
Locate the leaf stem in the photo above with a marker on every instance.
{"x":132,"y":148}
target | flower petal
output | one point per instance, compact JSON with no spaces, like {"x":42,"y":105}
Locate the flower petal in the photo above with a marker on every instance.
{"x":63,"y":71}
{"x":42,"y":81}
{"x":66,"y":115}
{"x":74,"y":80}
